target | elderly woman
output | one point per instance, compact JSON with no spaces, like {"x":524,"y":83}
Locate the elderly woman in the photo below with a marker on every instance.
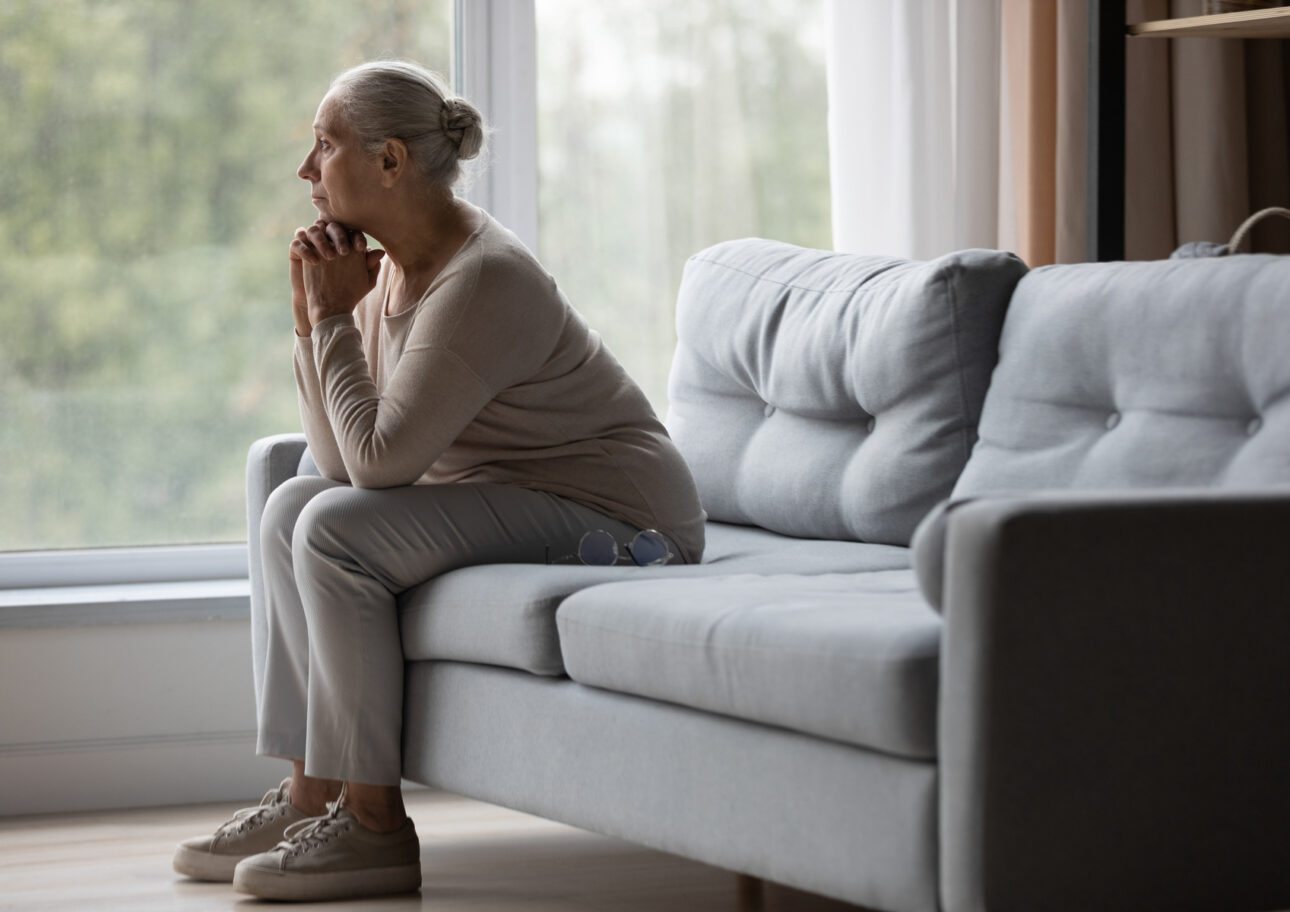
{"x":460,"y":412}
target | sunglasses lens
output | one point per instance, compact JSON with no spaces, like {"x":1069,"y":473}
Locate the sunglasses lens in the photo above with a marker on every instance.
{"x":649,"y":547}
{"x":598,"y":549}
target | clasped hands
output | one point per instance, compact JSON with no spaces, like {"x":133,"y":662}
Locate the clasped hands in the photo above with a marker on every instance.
{"x":331,"y":271}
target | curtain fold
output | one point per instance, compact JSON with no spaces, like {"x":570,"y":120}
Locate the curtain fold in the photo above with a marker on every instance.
{"x":1072,"y":131}
{"x":976,"y":65}
{"x":1030,"y":52}
{"x":913,"y":125}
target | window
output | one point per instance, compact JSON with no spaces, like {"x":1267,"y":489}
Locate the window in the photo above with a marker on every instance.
{"x":148,"y":157}
{"x":665,"y":126}
{"x":148,"y":190}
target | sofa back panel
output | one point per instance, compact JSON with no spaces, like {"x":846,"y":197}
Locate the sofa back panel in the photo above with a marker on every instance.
{"x":1123,"y":375}
{"x":827,"y":395}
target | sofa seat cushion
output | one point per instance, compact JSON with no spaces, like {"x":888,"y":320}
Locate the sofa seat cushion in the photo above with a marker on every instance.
{"x":852,"y":657}
{"x":504,"y":614}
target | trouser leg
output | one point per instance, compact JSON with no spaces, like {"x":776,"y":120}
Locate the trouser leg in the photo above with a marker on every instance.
{"x":354,"y":551}
{"x":284,"y":658}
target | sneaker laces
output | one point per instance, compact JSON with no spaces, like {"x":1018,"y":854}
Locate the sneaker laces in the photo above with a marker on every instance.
{"x":304,"y":835}
{"x":254,"y":816}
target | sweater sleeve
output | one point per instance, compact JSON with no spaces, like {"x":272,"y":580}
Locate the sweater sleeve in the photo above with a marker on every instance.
{"x":393,"y":439}
{"x":313,"y":414}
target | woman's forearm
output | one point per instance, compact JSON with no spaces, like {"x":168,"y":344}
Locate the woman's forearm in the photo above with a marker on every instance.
{"x":313,"y":415}
{"x":393,"y":437}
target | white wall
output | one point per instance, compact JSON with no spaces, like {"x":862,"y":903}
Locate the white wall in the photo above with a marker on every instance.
{"x":128,"y":715}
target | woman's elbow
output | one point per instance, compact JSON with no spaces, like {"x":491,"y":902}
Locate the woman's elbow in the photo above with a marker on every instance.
{"x":378,"y":463}
{"x":330,"y":468}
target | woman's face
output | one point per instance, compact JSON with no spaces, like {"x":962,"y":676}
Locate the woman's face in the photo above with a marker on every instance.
{"x":343,"y":177}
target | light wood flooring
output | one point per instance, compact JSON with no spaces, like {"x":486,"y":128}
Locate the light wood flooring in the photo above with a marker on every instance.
{"x":474,"y":857}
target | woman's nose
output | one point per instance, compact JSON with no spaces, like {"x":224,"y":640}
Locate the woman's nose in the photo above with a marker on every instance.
{"x":306,"y":168}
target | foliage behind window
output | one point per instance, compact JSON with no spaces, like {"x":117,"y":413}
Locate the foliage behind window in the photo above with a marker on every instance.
{"x":147,"y":194}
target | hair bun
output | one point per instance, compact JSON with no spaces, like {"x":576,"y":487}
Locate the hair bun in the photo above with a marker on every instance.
{"x":463,"y":126}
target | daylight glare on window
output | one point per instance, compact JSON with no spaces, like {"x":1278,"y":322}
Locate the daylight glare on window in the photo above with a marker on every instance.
{"x":665,"y":126}
{"x":147,"y":196}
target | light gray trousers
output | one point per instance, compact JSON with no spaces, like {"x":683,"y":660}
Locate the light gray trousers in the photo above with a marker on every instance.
{"x":335,"y":559}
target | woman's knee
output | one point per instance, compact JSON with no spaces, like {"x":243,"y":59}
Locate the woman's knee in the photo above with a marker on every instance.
{"x":283,"y":508}
{"x":372,"y":533}
{"x":330,"y":522}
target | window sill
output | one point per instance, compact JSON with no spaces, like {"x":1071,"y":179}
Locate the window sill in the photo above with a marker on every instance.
{"x":113,"y":566}
{"x":125,"y":603}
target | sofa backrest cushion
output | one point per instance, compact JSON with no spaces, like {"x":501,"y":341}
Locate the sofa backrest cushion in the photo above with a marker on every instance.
{"x":828,"y":395}
{"x":1173,"y":373}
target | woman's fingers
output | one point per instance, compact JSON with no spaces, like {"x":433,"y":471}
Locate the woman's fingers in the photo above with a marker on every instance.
{"x":303,"y":249}
{"x":317,"y":236}
{"x":325,"y":240}
{"x":338,"y":234}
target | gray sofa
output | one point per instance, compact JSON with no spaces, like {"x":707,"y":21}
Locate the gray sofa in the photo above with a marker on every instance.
{"x":1071,"y":693}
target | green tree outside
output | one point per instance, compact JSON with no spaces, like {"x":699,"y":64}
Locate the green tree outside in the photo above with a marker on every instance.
{"x":147,"y":195}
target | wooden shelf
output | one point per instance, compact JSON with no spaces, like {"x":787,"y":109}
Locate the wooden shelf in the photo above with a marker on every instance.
{"x":1263,"y":23}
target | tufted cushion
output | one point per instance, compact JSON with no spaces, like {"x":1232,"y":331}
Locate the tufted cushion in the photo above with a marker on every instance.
{"x":826,"y":395}
{"x":1129,"y":375}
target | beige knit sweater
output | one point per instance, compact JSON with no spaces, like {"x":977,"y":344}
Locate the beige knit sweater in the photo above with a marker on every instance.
{"x":491,"y":377}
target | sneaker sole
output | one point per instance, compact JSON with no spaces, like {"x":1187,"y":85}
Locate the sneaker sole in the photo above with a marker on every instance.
{"x":292,"y":885}
{"x":205,"y":866}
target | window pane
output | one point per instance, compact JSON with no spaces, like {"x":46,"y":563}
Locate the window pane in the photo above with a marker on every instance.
{"x":665,"y":126}
{"x":147,"y":194}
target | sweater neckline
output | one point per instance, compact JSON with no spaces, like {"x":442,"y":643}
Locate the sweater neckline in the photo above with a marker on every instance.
{"x":438,"y":280}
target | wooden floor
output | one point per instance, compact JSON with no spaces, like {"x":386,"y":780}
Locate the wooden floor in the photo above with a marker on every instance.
{"x":474,"y":857}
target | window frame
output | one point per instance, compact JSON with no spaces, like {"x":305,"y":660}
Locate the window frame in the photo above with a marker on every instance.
{"x":495,"y":66}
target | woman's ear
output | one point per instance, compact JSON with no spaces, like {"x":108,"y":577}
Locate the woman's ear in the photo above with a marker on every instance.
{"x":394,"y":161}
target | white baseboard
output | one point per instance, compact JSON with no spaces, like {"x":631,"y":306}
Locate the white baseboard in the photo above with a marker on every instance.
{"x":109,"y":773}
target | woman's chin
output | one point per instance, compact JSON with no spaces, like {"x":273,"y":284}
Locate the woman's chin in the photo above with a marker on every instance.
{"x":327,"y":214}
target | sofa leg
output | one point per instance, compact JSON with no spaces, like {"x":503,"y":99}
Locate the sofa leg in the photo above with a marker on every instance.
{"x":750,"y":894}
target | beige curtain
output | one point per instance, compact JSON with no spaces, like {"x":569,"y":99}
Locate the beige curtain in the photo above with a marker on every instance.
{"x":1206,"y":133}
{"x":1030,"y":80}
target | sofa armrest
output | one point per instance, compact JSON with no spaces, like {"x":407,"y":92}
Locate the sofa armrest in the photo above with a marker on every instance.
{"x":1115,"y":702}
{"x":270,"y":462}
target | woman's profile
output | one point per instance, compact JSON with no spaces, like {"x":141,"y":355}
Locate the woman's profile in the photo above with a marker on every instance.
{"x":460,"y":412}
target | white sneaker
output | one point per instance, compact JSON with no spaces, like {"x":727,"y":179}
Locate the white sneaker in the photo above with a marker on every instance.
{"x":334,"y":857}
{"x":249,"y":831}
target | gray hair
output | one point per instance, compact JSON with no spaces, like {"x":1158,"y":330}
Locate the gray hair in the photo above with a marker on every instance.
{"x":396,"y":99}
